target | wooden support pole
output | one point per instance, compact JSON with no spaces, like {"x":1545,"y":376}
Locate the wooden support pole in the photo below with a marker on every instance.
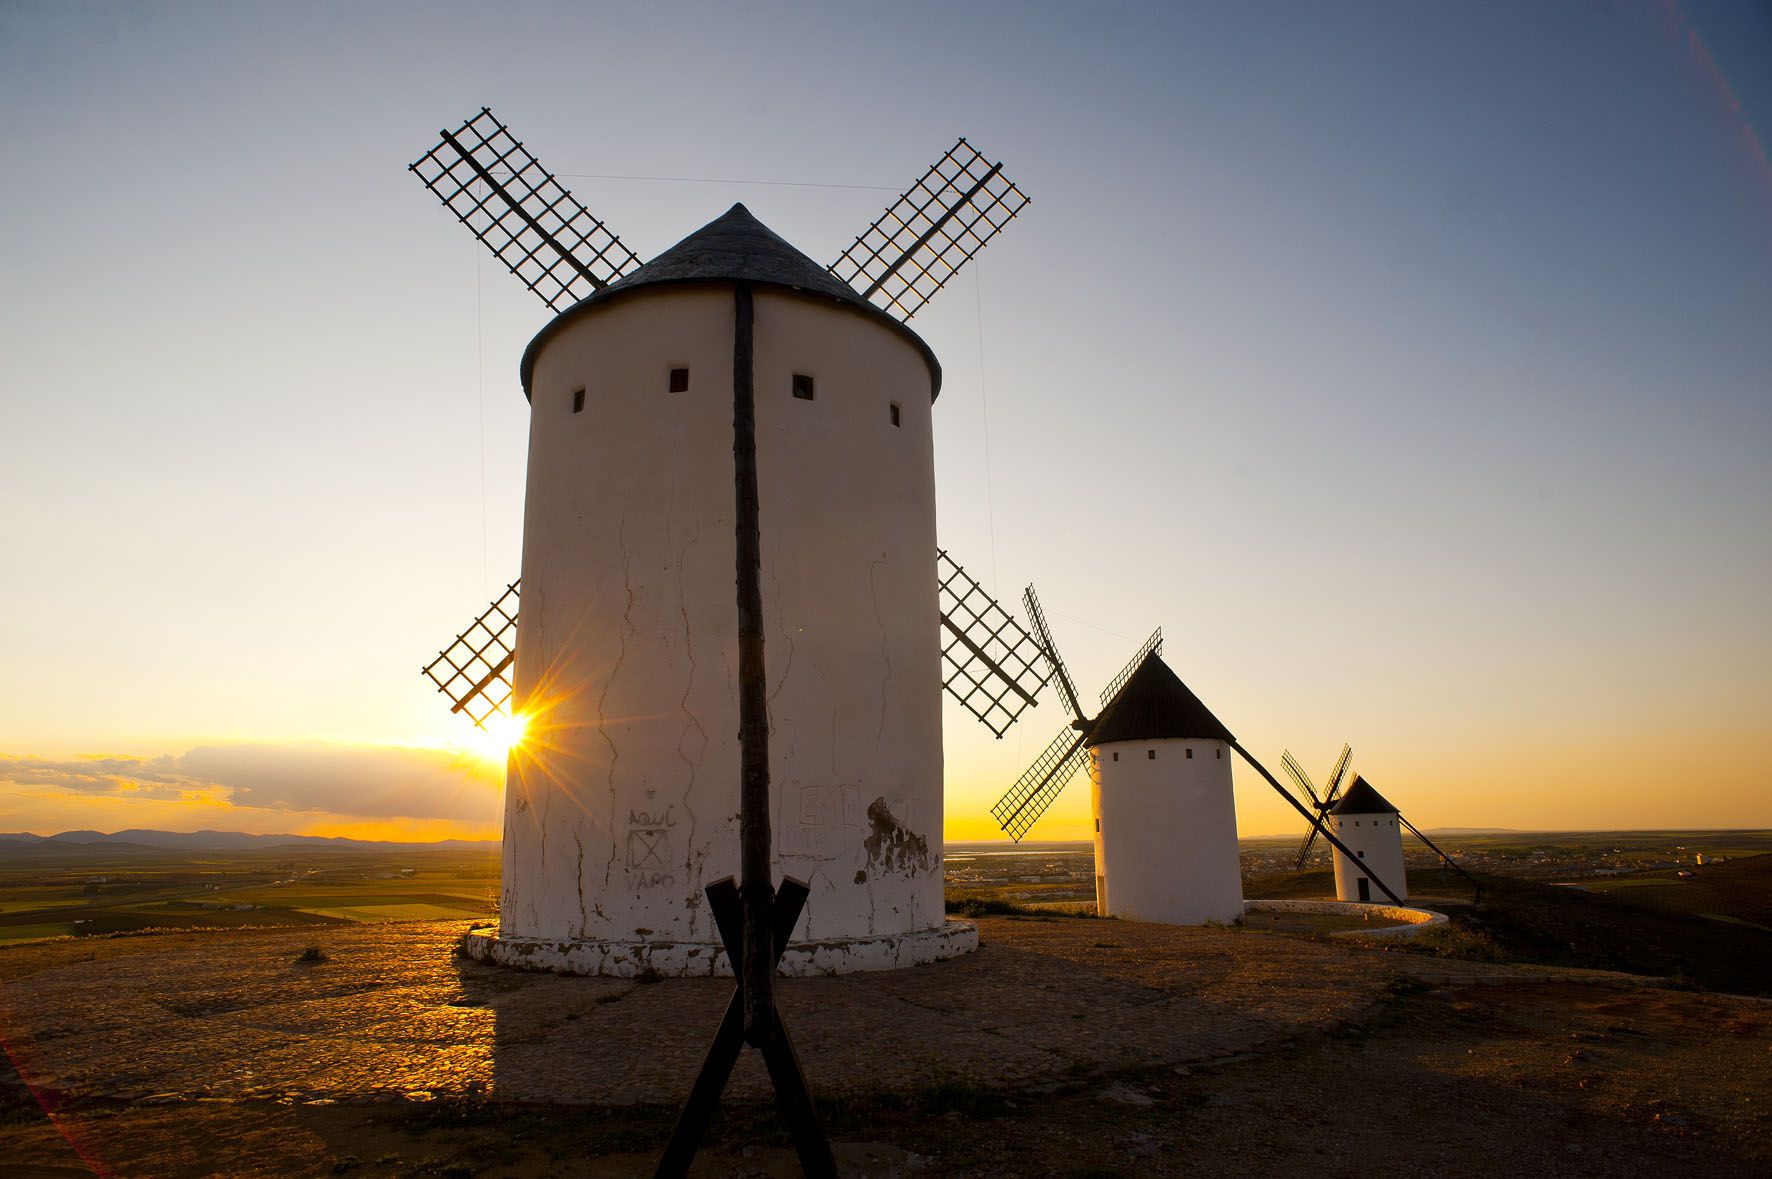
{"x":1316,"y":821}
{"x":754,"y":920}
{"x":757,"y":963}
{"x":1476,"y":888}
{"x":716,"y":1070}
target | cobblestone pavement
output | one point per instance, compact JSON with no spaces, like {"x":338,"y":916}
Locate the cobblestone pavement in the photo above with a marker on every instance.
{"x":393,"y":1012}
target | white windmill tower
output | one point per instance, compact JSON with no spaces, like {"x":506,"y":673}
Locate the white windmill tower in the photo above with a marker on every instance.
{"x":1166,"y":825}
{"x":729,"y":412}
{"x":1370,"y":862}
{"x":1165,"y":813}
{"x":1371,"y":829}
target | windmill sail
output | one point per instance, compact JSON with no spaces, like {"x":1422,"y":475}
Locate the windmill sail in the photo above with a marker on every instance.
{"x":925,"y":237}
{"x":1041,"y":783}
{"x":525,"y":216}
{"x":1333,"y":788}
{"x":1322,"y":805}
{"x":475,"y":670}
{"x":989,"y":662}
{"x":1152,"y":646}
{"x":1037,"y":616}
{"x":1299,"y":778}
{"x":1302,"y":780}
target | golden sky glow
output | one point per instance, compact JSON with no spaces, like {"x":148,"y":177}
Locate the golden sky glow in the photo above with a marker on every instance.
{"x":1415,"y":384}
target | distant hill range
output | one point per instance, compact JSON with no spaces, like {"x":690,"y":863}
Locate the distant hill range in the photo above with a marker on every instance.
{"x":75,"y":841}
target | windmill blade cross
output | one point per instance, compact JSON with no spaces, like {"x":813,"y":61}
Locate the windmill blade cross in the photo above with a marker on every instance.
{"x":925,"y":237}
{"x":1316,"y":822}
{"x":522,"y":213}
{"x":1041,"y":783}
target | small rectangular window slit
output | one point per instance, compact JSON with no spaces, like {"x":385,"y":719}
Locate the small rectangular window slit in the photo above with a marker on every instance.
{"x":894,"y":408}
{"x":1151,"y":754}
{"x":578,"y":401}
{"x":803,"y":386}
{"x":679,"y":380}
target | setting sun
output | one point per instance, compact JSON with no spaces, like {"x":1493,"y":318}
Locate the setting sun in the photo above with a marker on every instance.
{"x":501,"y":734}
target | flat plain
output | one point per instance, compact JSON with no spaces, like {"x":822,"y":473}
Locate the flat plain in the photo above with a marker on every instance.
{"x":88,"y":890}
{"x":1600,"y":1010}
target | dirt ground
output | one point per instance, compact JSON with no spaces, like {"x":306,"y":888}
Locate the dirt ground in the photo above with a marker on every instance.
{"x":1465,"y":1077}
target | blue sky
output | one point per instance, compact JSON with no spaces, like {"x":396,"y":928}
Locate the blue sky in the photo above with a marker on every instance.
{"x":1406,"y":362}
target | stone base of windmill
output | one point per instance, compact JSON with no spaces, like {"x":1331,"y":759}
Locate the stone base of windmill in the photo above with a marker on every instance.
{"x":655,"y":959}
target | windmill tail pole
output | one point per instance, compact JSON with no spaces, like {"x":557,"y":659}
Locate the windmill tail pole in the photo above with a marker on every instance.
{"x":1319,"y":825}
{"x":756,"y":892}
{"x":1476,"y":889}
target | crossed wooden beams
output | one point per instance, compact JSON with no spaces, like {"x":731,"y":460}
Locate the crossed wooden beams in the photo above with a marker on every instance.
{"x":755,"y":919}
{"x":778,"y":1050}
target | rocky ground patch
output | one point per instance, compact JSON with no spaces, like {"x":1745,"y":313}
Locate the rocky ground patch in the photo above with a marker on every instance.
{"x":1063,"y":1048}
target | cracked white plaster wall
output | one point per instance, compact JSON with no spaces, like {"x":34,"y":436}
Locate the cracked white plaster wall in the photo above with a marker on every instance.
{"x":848,"y":514}
{"x":627,"y":638}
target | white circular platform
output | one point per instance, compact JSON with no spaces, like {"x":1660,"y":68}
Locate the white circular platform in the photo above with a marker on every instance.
{"x":1407,"y":922}
{"x":706,"y":959}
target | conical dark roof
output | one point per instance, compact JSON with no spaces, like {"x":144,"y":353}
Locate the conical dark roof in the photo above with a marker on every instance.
{"x":1361,"y":799}
{"x":734,"y":247}
{"x":1154,"y":703}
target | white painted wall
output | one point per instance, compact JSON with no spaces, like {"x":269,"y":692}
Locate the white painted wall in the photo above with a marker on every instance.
{"x":1166,"y":831}
{"x":1376,"y":840}
{"x":623,"y":801}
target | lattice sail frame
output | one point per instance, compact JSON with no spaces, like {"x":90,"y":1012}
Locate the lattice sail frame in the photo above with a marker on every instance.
{"x":1337,"y":776}
{"x":519,"y":211}
{"x":1322,"y":805}
{"x":924,"y":237}
{"x":1152,"y":646}
{"x":1055,"y":665}
{"x":1041,"y":783}
{"x":475,"y":670}
{"x":989,"y":662}
{"x":1299,"y":778}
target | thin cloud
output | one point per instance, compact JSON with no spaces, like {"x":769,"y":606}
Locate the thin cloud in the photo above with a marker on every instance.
{"x":372,"y":781}
{"x":354,"y":781}
{"x":157,"y":777}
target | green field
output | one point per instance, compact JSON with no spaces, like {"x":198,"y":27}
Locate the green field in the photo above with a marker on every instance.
{"x":98,"y":890}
